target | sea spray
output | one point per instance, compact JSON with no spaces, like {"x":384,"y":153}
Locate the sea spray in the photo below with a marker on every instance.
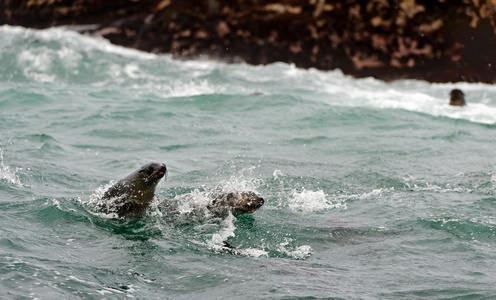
{"x":7,"y":173}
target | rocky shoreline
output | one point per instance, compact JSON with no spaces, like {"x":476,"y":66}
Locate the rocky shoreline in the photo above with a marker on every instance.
{"x":436,"y":41}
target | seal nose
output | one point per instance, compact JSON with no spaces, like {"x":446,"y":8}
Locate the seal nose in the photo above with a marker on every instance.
{"x":162,"y":170}
{"x":255,"y":202}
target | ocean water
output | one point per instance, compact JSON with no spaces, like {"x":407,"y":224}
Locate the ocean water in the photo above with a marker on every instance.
{"x":373,"y":190}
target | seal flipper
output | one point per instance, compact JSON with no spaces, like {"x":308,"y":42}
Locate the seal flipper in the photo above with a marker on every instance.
{"x":228,"y":248}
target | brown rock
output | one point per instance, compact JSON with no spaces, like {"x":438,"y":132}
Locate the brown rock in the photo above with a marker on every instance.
{"x":434,"y":40}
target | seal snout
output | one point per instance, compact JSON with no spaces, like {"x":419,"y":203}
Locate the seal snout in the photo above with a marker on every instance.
{"x":256,"y":202}
{"x":154,"y":170}
{"x":252,"y":201}
{"x":160,"y":171}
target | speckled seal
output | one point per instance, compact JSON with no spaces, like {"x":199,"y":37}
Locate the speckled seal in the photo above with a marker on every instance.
{"x":236,"y":202}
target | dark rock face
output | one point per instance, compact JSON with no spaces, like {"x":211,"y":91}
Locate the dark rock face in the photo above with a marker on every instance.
{"x":434,"y":40}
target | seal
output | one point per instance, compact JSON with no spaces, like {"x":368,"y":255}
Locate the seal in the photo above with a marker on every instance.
{"x":132,"y":195}
{"x":457,"y":98}
{"x":237,"y":202}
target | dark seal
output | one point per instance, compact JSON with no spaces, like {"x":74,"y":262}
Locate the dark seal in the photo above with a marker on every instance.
{"x":132,"y":195}
{"x":457,"y":98}
{"x":236,"y":202}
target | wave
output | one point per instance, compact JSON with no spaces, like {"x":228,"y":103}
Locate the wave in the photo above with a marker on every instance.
{"x":471,"y":229}
{"x":59,"y":55}
{"x":183,"y":214}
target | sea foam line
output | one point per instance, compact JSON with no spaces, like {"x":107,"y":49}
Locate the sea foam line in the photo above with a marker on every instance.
{"x":74,"y":38}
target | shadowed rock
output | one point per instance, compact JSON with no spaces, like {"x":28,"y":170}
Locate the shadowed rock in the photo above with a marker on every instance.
{"x":438,"y":41}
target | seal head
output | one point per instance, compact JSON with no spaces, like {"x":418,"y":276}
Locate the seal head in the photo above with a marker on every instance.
{"x":457,"y":98}
{"x":237,"y":202}
{"x":131,"y":196}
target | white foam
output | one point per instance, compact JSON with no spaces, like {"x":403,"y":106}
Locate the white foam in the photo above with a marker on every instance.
{"x":95,"y":204}
{"x":7,"y":174}
{"x":100,"y":191}
{"x":200,"y":77}
{"x":336,"y":89}
{"x":493,"y":177}
{"x":54,"y":202}
{"x":65,"y":51}
{"x":278,"y":174}
{"x":217,"y":240}
{"x":301,"y":252}
{"x":193,"y":206}
{"x":253,"y":252}
{"x":311,"y":201}
{"x":415,"y":96}
{"x":375,"y":193}
{"x":72,"y":38}
{"x":226,"y":232}
{"x":186,"y":89}
{"x":239,"y":183}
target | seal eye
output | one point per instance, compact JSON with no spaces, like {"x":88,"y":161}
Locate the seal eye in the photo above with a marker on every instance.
{"x":150,"y":171}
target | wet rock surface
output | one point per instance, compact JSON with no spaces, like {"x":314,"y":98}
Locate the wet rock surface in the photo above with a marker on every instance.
{"x":437,"y":41}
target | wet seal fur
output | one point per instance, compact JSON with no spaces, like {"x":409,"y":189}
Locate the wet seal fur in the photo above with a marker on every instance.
{"x":457,"y":98}
{"x":237,"y":202}
{"x":133,"y":194}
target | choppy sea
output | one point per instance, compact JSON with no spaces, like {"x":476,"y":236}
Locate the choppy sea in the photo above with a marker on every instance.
{"x":373,"y":190}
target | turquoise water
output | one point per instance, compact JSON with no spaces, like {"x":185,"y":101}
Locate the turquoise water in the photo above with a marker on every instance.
{"x":372,"y":190}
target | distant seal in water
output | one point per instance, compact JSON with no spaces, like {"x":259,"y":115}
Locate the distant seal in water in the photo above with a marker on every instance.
{"x":133,"y":194}
{"x":236,"y":202}
{"x":457,"y":98}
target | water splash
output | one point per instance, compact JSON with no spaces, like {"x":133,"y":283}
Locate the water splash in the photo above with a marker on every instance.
{"x":493,"y":177}
{"x":184,"y":209}
{"x":96,"y":206}
{"x":277,"y":174}
{"x":227,"y":231}
{"x":193,"y":206}
{"x":311,"y":201}
{"x":7,"y":174}
{"x":301,"y":252}
{"x":190,"y":211}
{"x":57,"y":54}
{"x":244,"y":181}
